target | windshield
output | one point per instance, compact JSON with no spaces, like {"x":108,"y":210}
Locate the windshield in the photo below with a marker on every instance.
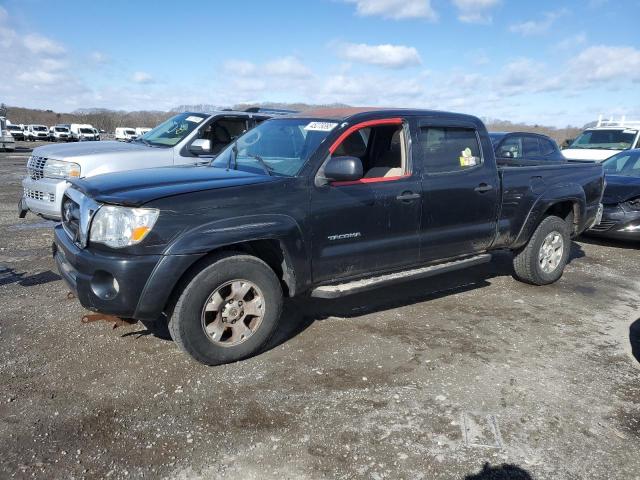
{"x":496,"y":137}
{"x":130,"y":132}
{"x":62,"y":129}
{"x":15,"y":128}
{"x":625,"y":163}
{"x":86,"y":130}
{"x":279,"y":146}
{"x":605,"y":139}
{"x":172,"y":131}
{"x":38,"y":128}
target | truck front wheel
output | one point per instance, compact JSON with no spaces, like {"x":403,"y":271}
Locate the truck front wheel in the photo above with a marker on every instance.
{"x":543,"y":259}
{"x":228,"y":311}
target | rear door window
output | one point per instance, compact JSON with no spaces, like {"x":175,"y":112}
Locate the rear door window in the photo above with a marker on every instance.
{"x":547,"y":147}
{"x":511,"y":147}
{"x":531,"y":147}
{"x":449,"y":149}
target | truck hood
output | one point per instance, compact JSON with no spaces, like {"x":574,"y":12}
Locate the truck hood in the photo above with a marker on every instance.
{"x":76,"y":150}
{"x":137,"y":187}
{"x":595,"y":154}
{"x":620,"y":188}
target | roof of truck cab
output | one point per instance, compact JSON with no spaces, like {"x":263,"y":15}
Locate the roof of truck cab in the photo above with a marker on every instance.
{"x":364,"y":113}
{"x":217,"y":113}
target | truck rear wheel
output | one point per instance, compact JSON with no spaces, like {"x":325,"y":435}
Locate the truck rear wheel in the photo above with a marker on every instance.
{"x":543,"y":259}
{"x":228,"y":311}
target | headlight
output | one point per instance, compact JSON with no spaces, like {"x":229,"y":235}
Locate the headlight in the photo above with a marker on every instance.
{"x":60,"y":169}
{"x":633,"y":204}
{"x":119,"y":227}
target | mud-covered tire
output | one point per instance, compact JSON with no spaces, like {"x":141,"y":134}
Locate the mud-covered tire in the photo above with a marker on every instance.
{"x":527,"y":263}
{"x":186,"y":321}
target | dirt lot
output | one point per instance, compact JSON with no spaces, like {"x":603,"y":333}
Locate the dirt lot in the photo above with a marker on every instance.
{"x":429,"y":380}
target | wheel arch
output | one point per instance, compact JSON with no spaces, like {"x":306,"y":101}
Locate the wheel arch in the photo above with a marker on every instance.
{"x":564,"y":201}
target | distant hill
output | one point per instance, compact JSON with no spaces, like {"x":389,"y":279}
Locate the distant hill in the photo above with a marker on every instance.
{"x":108,"y":120}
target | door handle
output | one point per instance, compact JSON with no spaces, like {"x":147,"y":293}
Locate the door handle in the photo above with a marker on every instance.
{"x":408,"y":196}
{"x":483,"y":188}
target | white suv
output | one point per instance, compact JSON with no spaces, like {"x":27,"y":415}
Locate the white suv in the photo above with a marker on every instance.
{"x":603,"y":139}
{"x":185,"y":139}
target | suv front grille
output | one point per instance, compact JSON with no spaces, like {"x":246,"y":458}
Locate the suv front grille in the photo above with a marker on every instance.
{"x":38,"y":195}
{"x":35,"y":167}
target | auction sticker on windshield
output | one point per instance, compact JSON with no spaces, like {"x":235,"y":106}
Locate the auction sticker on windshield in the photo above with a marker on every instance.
{"x":193,"y":119}
{"x":321,"y":126}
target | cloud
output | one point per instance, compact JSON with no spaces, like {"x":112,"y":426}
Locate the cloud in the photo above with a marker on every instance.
{"x":386,"y":56}
{"x":606,"y":63}
{"x":572,"y":42}
{"x":42,"y":45}
{"x":239,"y":67}
{"x":99,"y":57}
{"x":475,"y":11}
{"x":537,"y":27}
{"x":287,"y":67}
{"x":142,"y":77}
{"x":395,"y":9}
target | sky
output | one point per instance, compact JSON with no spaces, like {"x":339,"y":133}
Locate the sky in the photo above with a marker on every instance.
{"x":550,"y":62}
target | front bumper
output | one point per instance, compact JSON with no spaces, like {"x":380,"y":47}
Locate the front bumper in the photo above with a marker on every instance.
{"x":44,"y":196}
{"x":129,"y":286}
{"x":617,"y":223}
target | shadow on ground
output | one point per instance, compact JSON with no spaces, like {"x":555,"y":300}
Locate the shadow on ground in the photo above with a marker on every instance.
{"x":501,"y":472}
{"x":9,"y":275}
{"x":609,"y":242}
{"x":300,"y":313}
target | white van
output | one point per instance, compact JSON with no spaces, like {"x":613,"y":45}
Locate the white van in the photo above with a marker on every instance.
{"x":7,"y":142}
{"x":125,"y":134}
{"x":59,"y":133}
{"x":141,"y":131}
{"x":36,"y":132}
{"x":82,"y":132}
{"x":603,"y":139}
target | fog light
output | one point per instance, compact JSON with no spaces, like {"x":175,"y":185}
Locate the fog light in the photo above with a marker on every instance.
{"x":104,"y":285}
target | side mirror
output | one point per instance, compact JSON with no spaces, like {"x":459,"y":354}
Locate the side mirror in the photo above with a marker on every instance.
{"x":201,"y":146}
{"x":343,"y":169}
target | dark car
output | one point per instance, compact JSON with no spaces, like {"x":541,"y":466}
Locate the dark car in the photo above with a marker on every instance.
{"x":621,"y":200}
{"x":523,"y":148}
{"x":321,"y":203}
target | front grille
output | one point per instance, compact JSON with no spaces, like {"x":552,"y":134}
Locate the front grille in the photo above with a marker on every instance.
{"x":38,"y":195}
{"x":71,"y":218}
{"x":603,"y":226}
{"x":35,"y":167}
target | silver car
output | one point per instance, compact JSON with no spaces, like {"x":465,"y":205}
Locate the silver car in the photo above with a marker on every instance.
{"x":185,"y":139}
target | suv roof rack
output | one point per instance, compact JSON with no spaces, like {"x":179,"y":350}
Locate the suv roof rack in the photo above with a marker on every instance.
{"x":623,"y":123}
{"x":272,"y":111}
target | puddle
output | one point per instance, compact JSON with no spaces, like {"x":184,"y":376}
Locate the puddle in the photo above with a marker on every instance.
{"x":33,"y":226}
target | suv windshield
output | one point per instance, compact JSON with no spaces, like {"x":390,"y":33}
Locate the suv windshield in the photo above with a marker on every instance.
{"x":278,"y":146}
{"x":605,"y":139}
{"x":624,"y":163}
{"x":172,"y":131}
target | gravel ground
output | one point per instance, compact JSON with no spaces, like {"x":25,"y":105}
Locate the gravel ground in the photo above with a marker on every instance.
{"x":468,"y":375}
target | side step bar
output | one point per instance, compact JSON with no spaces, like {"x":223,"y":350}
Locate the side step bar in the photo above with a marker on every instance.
{"x":357,"y":286}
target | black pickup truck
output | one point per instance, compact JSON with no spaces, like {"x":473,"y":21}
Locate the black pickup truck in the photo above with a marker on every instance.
{"x":324,"y":203}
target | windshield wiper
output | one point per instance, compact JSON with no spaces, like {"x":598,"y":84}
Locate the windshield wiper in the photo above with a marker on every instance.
{"x":146,"y":142}
{"x":263,"y":164}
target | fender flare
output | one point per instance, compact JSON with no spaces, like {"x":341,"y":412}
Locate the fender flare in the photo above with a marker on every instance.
{"x":219,"y":234}
{"x":571,"y":192}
